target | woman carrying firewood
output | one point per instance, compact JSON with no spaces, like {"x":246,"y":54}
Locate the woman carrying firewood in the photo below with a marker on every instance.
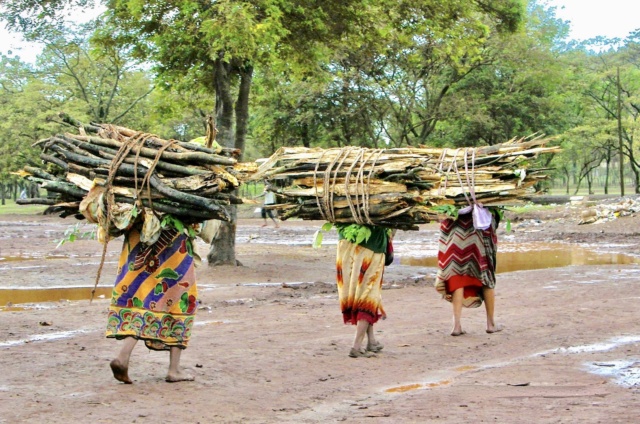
{"x":467,"y":263}
{"x":363,"y":252}
{"x":154,"y":299}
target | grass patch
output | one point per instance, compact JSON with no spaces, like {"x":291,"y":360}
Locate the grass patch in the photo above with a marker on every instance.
{"x":529,"y":208}
{"x":11,"y":208}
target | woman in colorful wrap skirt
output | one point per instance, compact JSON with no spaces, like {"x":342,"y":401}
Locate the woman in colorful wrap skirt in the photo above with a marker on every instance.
{"x":154,"y":299}
{"x":360,"y":268}
{"x":467,"y":267}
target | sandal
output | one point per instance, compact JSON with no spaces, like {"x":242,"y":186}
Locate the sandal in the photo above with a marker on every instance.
{"x":375,"y":347}
{"x":362,"y":353}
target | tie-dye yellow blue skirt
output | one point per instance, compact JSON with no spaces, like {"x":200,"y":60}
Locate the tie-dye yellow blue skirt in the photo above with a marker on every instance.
{"x":155,"y":295}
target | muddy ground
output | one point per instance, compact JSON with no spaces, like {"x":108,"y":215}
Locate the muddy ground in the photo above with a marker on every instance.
{"x":269,"y":345}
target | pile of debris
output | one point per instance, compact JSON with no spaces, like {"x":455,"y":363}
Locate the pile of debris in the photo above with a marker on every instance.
{"x":604,"y":212}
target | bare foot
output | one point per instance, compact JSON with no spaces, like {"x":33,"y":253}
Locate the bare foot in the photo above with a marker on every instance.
{"x":120,"y":372}
{"x":456,"y":333}
{"x":495,"y":329}
{"x":179,"y":376}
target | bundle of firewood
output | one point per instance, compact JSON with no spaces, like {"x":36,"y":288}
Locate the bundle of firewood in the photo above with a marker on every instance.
{"x":400,"y":187}
{"x":187,"y":180}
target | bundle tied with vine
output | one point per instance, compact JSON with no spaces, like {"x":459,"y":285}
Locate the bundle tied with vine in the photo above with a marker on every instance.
{"x":110,"y":175}
{"x":400,"y":187}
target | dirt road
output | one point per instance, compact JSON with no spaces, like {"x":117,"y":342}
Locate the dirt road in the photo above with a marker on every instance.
{"x":269,"y":345}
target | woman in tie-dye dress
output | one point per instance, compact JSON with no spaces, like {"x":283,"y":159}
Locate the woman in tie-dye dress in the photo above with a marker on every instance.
{"x":154,"y":299}
{"x":360,"y":266}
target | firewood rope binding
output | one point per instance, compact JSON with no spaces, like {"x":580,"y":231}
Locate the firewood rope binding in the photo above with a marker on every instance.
{"x":347,"y":179}
{"x":377,"y":154}
{"x":453,"y":167}
{"x":315,"y":185}
{"x":471,"y":184}
{"x":123,"y":152}
{"x":360,"y":205}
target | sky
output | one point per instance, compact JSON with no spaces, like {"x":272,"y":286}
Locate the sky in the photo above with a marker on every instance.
{"x":591,"y":18}
{"x":10,"y":41}
{"x":588,"y":19}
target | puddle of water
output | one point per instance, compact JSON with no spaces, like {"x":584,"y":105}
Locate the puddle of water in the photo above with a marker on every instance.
{"x":626,"y":373}
{"x":220,"y":322}
{"x":529,"y":256}
{"x":281,"y":284}
{"x":417,"y":386}
{"x":37,"y":257}
{"x":595,"y":347}
{"x":466,"y":368}
{"x":11,"y":297}
{"x":438,"y":384}
{"x":261,"y":284}
{"x":43,"y":337}
{"x":406,"y":388}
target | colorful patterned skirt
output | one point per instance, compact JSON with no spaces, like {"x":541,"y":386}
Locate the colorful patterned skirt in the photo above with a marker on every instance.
{"x":467,"y":259}
{"x":154,"y":298}
{"x":359,"y":280}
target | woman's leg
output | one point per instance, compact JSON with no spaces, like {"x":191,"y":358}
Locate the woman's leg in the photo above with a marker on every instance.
{"x":489,"y":304}
{"x":361,"y":330}
{"x":120,"y":365}
{"x":175,"y":373}
{"x":456,"y":301}
{"x":372,"y":344}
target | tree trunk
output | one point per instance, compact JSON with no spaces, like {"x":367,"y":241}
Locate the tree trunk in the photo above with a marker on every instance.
{"x":606,"y":174}
{"x":222,"y":250}
{"x":242,"y":107}
{"x":222,"y":247}
{"x":224,"y":103}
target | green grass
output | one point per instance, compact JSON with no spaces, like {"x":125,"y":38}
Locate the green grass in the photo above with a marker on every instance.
{"x":584,"y":191}
{"x":528,"y":208}
{"x":11,"y":208}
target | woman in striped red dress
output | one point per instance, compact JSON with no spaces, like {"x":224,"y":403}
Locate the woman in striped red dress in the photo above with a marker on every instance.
{"x":467,"y":266}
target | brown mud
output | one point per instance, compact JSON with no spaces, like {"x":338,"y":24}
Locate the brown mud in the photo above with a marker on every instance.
{"x":269,"y":345}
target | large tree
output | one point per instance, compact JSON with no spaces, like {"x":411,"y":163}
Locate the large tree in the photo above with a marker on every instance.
{"x":218,"y":45}
{"x":518,"y":92}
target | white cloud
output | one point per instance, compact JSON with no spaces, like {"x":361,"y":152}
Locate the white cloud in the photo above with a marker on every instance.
{"x":27,"y":51}
{"x":592,"y":18}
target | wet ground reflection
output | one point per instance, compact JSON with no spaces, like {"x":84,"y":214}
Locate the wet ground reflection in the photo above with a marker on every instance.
{"x":626,"y":373}
{"x":529,"y":256}
{"x":511,"y":257}
{"x":11,"y":297}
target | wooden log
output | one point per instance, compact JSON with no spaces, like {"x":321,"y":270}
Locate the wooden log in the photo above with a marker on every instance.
{"x":109,"y":153}
{"x":130,"y":171}
{"x":36,"y":201}
{"x":126,"y":132}
{"x":40,"y":173}
{"x":187,"y":157}
{"x":55,"y":160}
